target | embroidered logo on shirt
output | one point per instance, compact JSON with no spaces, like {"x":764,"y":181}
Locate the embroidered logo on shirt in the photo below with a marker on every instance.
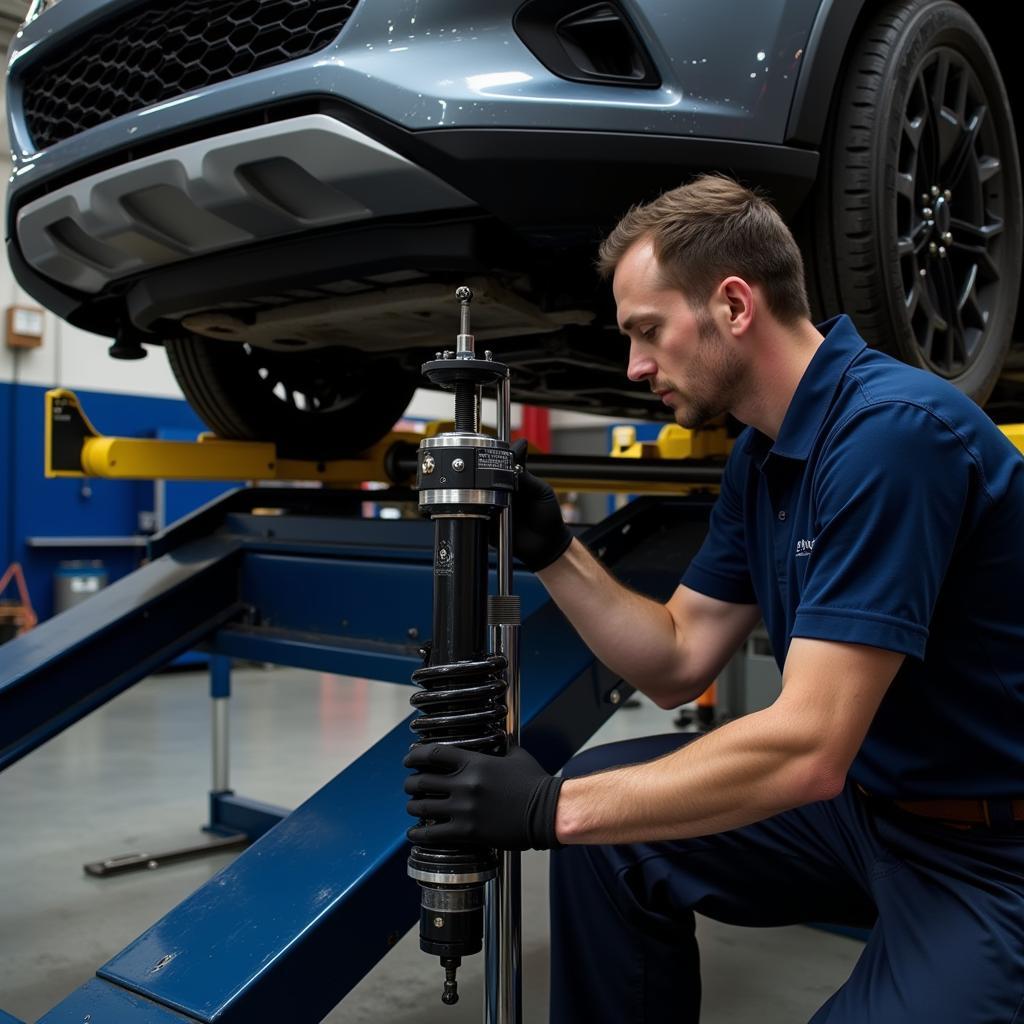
{"x":804,"y":548}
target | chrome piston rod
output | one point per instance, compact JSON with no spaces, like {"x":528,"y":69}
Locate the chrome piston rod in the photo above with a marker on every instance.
{"x":503,"y":914}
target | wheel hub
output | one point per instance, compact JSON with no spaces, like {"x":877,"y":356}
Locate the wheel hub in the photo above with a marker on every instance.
{"x":936,"y":213}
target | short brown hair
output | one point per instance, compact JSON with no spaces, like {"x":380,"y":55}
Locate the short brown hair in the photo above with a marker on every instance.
{"x":708,"y":229}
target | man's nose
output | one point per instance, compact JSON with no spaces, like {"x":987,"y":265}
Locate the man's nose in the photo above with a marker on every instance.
{"x":640,"y":366}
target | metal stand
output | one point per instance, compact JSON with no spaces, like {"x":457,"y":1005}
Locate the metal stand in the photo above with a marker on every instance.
{"x":220,"y":694}
{"x":503,"y":919}
{"x":220,"y":838}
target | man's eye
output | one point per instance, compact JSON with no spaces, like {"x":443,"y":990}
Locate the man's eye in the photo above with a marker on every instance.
{"x":649,"y":332}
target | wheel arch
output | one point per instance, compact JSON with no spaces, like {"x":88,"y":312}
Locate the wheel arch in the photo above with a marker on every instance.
{"x":836,"y":28}
{"x":834,"y":33}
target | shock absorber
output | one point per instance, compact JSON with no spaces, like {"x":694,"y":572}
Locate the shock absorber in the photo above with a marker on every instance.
{"x":469,"y":681}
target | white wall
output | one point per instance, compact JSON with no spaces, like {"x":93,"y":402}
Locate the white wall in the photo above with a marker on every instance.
{"x":72,"y":358}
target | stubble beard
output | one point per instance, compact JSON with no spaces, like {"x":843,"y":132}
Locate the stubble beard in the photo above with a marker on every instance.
{"x":715,"y":379}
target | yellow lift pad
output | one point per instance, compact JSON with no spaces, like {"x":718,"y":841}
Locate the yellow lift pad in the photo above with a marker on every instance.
{"x":674,"y":442}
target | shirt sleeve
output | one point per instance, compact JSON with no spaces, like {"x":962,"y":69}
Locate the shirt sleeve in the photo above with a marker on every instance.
{"x":889,"y":497}
{"x":721,"y":568}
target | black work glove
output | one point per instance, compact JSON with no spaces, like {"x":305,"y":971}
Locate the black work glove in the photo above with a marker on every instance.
{"x":539,"y":533}
{"x":468,"y":798}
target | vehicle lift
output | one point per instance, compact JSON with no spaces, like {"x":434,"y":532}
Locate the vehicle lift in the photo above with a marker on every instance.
{"x":295,"y":576}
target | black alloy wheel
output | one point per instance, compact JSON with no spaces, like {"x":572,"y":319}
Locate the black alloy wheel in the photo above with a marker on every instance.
{"x":325,"y":403}
{"x":918,"y":220}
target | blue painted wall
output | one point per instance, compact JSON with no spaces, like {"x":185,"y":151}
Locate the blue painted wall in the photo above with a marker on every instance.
{"x":6,"y":475}
{"x":32,"y":506}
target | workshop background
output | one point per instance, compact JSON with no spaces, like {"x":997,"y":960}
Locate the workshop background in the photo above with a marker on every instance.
{"x":135,"y":774}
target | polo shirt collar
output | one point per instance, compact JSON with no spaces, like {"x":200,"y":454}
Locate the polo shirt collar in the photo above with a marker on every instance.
{"x":814,"y":393}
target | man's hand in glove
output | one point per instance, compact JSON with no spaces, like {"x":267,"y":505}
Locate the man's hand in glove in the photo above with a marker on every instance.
{"x":469,"y":798}
{"x":539,"y":533}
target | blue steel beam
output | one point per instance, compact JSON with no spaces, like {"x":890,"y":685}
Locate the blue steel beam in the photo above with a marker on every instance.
{"x":370,"y":600}
{"x":99,"y":1002}
{"x":289,"y":927}
{"x":266,"y":938}
{"x":353,"y":617}
{"x":310,"y":589}
{"x":390,"y":663}
{"x":318,"y":509}
{"x":301,"y":916}
{"x":78,"y":660}
{"x":230,"y":813}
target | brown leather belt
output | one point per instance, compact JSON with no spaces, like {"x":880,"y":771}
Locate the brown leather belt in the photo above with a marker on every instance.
{"x":962,"y":813}
{"x":966,"y":812}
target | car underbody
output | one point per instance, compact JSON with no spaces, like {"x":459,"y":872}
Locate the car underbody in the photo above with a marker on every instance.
{"x":287,"y":211}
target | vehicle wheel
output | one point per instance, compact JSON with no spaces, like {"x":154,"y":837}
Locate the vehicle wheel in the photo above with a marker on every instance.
{"x":323,"y":404}
{"x":917,"y":231}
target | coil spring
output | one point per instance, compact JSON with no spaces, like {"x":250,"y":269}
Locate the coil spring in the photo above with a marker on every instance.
{"x":461,"y":703}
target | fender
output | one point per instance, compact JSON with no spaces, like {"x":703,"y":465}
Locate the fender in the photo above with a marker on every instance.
{"x":821,"y":70}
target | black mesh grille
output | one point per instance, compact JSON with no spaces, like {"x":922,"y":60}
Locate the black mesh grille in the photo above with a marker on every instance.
{"x":166,"y":51}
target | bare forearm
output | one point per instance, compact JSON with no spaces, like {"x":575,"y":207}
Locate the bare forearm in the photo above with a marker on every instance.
{"x":743,"y":772}
{"x":631,"y":634}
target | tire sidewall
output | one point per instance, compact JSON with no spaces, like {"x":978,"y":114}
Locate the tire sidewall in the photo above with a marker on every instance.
{"x":222,"y":385}
{"x":934,"y":25}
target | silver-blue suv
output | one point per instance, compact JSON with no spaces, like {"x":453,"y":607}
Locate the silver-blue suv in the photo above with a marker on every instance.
{"x":283,"y":193}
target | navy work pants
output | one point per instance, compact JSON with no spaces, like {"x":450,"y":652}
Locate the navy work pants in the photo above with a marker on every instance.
{"x":945,"y":908}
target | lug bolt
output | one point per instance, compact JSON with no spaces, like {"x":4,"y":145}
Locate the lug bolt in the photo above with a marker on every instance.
{"x":933,"y":248}
{"x":947,"y":237}
{"x":942,"y":252}
{"x":488,"y":355}
{"x":438,"y":922}
{"x":923,"y":272}
{"x":428,"y":464}
{"x":458,"y":465}
{"x":947,"y":195}
{"x":925,"y":197}
{"x":935,"y":190}
{"x":927,"y":212}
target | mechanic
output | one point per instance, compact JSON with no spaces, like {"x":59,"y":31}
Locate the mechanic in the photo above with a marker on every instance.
{"x":873,"y":516}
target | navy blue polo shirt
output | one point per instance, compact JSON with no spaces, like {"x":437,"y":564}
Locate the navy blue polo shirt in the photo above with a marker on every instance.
{"x":889,"y":512}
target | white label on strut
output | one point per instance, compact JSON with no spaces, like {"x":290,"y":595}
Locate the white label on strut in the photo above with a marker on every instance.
{"x":493,"y":458}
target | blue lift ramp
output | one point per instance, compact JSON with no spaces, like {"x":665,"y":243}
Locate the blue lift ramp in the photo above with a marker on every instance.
{"x":290,"y":926}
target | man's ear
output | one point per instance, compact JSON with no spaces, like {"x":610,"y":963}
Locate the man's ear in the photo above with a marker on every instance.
{"x":739,"y":298}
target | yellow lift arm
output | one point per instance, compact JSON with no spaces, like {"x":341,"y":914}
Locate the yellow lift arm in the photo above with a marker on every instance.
{"x":74,"y":448}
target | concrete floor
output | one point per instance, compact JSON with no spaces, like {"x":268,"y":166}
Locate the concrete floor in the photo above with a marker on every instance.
{"x":135,"y":775}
